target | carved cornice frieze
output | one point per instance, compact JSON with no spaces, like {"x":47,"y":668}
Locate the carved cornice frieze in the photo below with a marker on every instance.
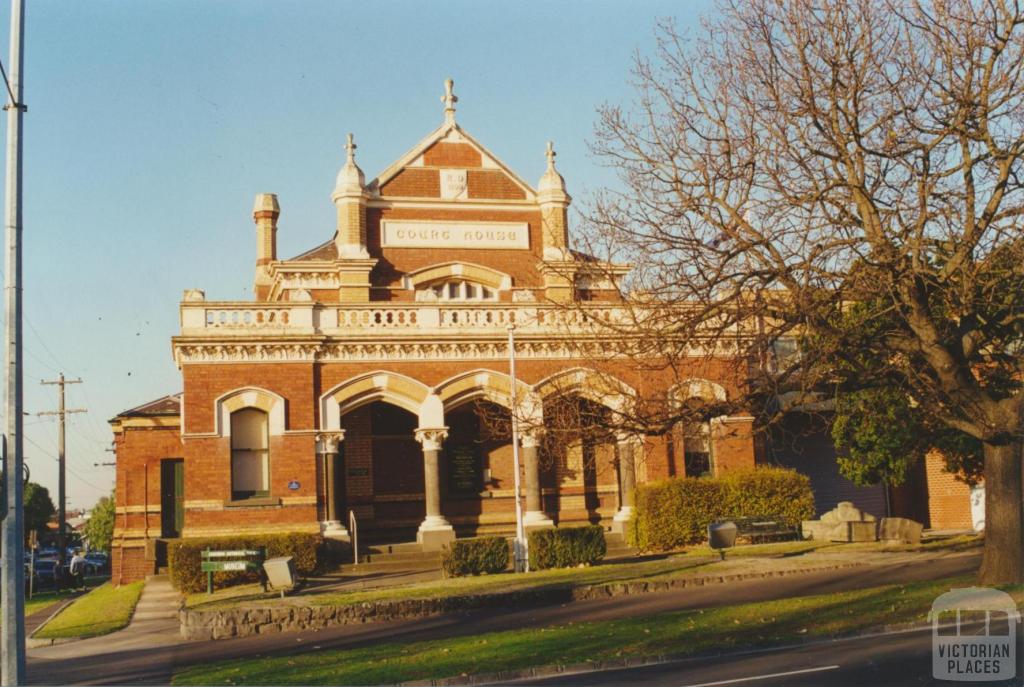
{"x":269,"y":351}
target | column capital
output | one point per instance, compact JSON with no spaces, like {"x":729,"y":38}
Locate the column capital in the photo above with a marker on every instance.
{"x":630,"y":438}
{"x":327,"y":441}
{"x":531,"y":438}
{"x":431,"y":437}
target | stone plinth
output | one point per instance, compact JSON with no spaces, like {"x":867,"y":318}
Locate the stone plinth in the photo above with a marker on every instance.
{"x":900,"y":530}
{"x":844,"y":523}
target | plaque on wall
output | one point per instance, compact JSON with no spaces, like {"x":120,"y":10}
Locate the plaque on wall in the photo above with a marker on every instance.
{"x":464,"y":472}
{"x":452,"y":234}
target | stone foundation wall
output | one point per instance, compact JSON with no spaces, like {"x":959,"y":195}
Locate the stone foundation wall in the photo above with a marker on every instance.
{"x":245,"y":622}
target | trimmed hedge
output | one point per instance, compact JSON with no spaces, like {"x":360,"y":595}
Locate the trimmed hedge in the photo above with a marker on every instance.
{"x":676,"y":512}
{"x":566,"y":548}
{"x":483,"y":555}
{"x":185,"y":560}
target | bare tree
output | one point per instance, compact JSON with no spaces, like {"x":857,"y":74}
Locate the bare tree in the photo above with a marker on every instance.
{"x":844,"y":176}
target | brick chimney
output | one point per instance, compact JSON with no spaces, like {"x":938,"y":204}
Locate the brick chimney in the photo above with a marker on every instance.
{"x":265,"y":213}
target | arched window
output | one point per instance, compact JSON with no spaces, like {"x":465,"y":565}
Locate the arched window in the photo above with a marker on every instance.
{"x":698,"y":457}
{"x":461,"y":290}
{"x":250,"y":454}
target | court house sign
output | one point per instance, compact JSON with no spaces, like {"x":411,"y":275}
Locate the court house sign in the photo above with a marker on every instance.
{"x":420,"y":234}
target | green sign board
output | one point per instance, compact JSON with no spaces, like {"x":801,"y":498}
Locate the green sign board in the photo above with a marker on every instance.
{"x":464,"y":471}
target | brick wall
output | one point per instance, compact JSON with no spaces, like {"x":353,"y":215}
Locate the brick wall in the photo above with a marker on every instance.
{"x":949,"y":499}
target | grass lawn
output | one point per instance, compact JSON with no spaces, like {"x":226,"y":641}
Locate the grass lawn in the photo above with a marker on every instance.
{"x":101,"y":611}
{"x":41,"y":600}
{"x":690,"y":632}
{"x":694,"y":561}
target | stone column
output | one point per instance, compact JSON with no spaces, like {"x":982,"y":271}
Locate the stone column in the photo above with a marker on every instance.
{"x":535,"y":515}
{"x":434,"y":531}
{"x":625,"y":447}
{"x":328,"y":443}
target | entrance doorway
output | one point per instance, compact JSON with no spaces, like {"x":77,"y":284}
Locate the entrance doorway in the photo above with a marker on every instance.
{"x":172,"y":497}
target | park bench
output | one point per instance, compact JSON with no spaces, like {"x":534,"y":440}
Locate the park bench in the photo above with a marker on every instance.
{"x":759,"y":530}
{"x":239,"y":560}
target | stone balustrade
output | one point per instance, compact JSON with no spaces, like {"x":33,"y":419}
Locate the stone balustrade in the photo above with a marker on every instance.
{"x":204,"y":318}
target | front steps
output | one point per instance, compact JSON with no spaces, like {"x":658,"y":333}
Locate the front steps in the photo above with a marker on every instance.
{"x":159,"y":600}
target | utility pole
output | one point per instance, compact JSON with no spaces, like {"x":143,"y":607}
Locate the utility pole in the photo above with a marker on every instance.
{"x":61,"y":412}
{"x":12,"y":591}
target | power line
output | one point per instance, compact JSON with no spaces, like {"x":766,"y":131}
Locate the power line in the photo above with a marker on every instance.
{"x":14,"y":101}
{"x":61,"y":414}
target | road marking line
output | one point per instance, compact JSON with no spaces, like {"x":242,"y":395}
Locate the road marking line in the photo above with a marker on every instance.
{"x":763,"y":677}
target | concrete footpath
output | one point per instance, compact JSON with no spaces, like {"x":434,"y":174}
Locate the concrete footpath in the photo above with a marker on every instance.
{"x":127,"y":658}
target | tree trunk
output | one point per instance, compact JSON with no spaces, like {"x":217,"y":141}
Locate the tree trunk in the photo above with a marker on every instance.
{"x":1003,"y":559}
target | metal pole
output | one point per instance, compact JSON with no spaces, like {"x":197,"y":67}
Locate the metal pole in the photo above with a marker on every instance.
{"x":61,"y":414}
{"x":522,"y":562}
{"x":12,"y":593}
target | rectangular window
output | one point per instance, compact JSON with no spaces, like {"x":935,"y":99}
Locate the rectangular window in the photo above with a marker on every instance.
{"x":697,"y":450}
{"x":250,"y":454}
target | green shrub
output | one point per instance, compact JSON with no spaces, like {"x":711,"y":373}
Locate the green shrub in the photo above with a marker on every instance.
{"x":674,"y":513}
{"x":185,"y":559}
{"x":780,"y":493}
{"x":475,"y":556}
{"x":566,"y":548}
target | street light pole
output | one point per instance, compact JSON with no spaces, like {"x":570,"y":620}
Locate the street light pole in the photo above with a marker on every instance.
{"x":12,"y":591}
{"x":522,"y":562}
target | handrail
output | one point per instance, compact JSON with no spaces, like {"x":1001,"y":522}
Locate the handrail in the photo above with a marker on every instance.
{"x":353,"y":526}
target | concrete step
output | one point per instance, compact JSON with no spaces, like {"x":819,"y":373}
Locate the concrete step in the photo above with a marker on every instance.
{"x":405,"y":557}
{"x":401,"y":566}
{"x":404,"y":547}
{"x":154,"y":615}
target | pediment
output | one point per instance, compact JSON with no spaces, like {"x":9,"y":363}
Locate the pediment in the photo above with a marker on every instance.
{"x":451,"y":166}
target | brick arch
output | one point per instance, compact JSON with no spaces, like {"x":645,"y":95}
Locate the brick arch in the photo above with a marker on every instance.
{"x":696,"y":387}
{"x":600,"y":388}
{"x":459,"y":270}
{"x":250,"y":397}
{"x":490,"y":385}
{"x":381,"y":385}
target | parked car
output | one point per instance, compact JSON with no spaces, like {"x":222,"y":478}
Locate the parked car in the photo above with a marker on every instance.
{"x":97,"y":562}
{"x":46,"y":572}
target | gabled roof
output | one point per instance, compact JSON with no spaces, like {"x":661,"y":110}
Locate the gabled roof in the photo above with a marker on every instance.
{"x":452,"y":132}
{"x":167,"y":406}
{"x":325,"y":251}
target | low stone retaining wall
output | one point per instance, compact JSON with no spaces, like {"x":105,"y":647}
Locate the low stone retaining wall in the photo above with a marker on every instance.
{"x":243,"y":622}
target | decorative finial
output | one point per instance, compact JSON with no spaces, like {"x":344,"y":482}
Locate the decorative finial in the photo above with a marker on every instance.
{"x":449,"y":99}
{"x":550,"y":154}
{"x":350,"y":148}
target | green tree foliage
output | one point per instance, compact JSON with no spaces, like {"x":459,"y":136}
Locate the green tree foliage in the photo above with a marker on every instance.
{"x":99,"y":530}
{"x":878,"y":435}
{"x":38,"y":507}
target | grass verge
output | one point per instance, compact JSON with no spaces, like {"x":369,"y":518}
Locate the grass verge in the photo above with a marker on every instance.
{"x":690,"y":632}
{"x":101,"y":611}
{"x":42,"y":600}
{"x":694,"y":561}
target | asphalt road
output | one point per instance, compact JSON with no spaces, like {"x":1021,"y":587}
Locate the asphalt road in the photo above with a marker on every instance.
{"x":123,"y":659}
{"x":891,"y":660}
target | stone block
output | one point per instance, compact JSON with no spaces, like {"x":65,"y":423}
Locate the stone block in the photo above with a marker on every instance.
{"x":435,"y":540}
{"x":900,"y":530}
{"x":861,"y":531}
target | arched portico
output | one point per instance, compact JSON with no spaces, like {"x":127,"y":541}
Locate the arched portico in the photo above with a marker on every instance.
{"x":598,"y":390}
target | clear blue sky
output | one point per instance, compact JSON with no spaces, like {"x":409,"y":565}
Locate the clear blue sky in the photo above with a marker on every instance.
{"x":152,"y":125}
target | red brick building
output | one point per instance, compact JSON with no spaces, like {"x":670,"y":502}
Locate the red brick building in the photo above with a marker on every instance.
{"x":366,"y":375}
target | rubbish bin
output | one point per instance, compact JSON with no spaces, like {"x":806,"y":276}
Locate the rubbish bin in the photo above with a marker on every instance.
{"x":280,"y":572}
{"x":722,"y":536}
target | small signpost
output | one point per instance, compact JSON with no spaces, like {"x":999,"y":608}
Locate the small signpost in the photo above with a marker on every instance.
{"x":240,"y":560}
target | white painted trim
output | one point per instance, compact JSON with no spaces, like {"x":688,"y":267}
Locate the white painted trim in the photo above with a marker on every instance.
{"x":249,"y":398}
{"x":331,"y":409}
